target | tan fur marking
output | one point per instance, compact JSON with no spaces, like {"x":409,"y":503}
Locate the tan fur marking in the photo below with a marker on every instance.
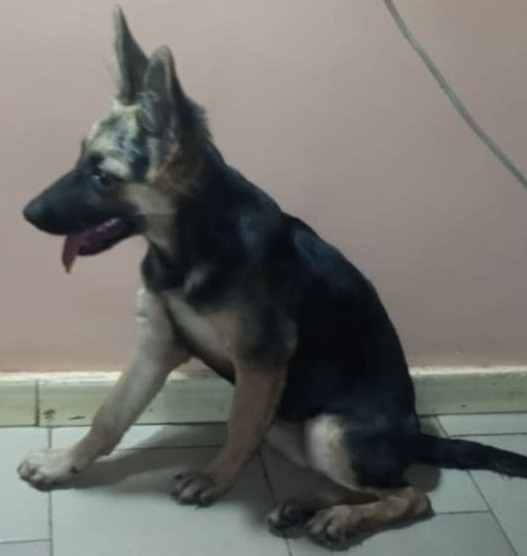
{"x":103,"y":135}
{"x":342,"y":522}
{"x":217,"y":332}
{"x":288,"y":439}
{"x":157,"y":209}
{"x":203,"y":334}
{"x":326,"y":451}
{"x":116,"y":167}
{"x":94,"y":130}
{"x":256,"y":396}
{"x":195,"y":279}
{"x":334,"y":516}
{"x":257,"y":392}
{"x":157,"y":353}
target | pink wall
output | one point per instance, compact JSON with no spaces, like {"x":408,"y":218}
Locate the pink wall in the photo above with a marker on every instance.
{"x":325,"y":106}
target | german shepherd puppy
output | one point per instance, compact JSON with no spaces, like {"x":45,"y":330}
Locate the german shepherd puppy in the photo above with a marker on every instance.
{"x":259,"y":297}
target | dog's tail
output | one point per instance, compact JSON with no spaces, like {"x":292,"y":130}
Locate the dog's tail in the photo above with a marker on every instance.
{"x":464,"y":454}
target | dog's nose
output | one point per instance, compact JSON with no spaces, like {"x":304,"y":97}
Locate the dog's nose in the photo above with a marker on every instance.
{"x":34,"y":212}
{"x":39,"y":213}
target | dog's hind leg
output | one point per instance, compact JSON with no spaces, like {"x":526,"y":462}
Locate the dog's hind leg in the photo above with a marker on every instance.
{"x":288,"y":439}
{"x":157,"y":353}
{"x":335,"y":516}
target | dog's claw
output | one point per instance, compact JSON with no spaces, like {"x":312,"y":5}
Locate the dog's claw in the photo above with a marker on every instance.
{"x":196,"y":487}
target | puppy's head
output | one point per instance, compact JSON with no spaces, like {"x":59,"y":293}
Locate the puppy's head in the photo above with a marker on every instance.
{"x":135,"y":162}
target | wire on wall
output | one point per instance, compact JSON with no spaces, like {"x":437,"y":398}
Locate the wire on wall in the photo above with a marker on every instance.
{"x":453,"y":97}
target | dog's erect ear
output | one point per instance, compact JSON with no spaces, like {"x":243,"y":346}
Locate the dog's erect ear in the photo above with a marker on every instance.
{"x":132,"y":60}
{"x":161,"y":94}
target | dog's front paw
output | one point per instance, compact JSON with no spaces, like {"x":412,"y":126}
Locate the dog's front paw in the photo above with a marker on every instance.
{"x":47,"y":469}
{"x":198,"y":487}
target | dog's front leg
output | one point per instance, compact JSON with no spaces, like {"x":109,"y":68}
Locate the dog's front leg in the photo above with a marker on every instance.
{"x":157,"y":353}
{"x":257,"y":393}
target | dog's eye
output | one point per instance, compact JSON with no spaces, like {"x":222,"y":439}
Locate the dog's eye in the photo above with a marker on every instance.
{"x":103,"y":179}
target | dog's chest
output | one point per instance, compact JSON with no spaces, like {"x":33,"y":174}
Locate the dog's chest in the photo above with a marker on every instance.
{"x":208,"y":334}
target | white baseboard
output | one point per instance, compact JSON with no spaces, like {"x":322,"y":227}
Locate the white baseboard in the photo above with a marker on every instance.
{"x":195,"y":395}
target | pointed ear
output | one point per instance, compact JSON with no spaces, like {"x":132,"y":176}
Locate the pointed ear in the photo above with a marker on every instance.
{"x":160,"y":93}
{"x":132,"y":60}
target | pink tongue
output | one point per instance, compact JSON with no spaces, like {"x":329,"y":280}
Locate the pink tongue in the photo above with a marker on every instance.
{"x":72,"y":244}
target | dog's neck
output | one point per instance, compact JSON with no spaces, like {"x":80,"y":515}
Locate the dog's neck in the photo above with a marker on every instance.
{"x":183,"y":239}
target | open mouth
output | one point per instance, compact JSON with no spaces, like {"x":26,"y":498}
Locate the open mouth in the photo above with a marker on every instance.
{"x":95,"y":240}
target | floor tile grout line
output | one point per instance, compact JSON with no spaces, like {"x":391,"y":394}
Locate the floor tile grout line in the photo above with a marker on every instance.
{"x":483,"y":434}
{"x":182,"y":446}
{"x":50,"y":501}
{"x":267,"y":477}
{"x":441,"y":427}
{"x":155,"y":448}
{"x":478,"y":433}
{"x":482,"y":494}
{"x":463,"y":512}
{"x":37,"y":403}
{"x":26,"y":541}
{"x":50,"y":524}
{"x":491,"y":511}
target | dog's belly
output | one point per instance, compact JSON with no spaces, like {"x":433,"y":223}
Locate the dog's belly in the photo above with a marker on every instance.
{"x":204,"y":334}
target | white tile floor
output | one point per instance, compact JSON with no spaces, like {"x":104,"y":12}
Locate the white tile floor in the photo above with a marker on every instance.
{"x":122,"y":507}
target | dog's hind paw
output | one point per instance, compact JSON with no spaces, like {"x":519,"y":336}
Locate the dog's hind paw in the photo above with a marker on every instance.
{"x":288,"y":518}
